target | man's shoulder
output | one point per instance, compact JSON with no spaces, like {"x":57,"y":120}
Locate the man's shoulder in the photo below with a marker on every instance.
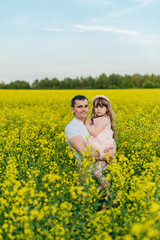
{"x":76,"y":128}
{"x":72,"y":129}
{"x":71,"y":123}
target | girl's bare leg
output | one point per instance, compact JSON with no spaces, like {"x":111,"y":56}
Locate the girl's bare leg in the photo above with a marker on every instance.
{"x":99,"y":166}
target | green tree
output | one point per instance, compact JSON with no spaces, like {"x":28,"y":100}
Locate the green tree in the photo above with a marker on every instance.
{"x":115,"y":80}
{"x":83,"y":83}
{"x":55,"y":84}
{"x":148,"y":84}
{"x":67,"y":83}
{"x":35,"y":84}
{"x":2,"y":85}
{"x":90,"y":82}
{"x":137,"y":80}
{"x":127,"y":82}
{"x":102,"y":81}
{"x":18,"y":85}
{"x":76,"y":83}
{"x":45,"y":84}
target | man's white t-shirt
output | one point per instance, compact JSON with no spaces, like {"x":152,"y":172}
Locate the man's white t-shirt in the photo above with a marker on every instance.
{"x":76,"y":128}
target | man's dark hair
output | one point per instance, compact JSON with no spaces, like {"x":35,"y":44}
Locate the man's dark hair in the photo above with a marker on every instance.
{"x":77,"y":97}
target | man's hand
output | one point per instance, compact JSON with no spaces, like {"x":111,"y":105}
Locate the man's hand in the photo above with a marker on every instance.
{"x":109,"y":158}
{"x":95,"y":154}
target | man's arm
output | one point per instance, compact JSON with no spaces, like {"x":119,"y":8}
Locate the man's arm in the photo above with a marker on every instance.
{"x":78,"y":143}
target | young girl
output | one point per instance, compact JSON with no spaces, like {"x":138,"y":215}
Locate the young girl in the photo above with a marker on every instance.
{"x":101,"y":128}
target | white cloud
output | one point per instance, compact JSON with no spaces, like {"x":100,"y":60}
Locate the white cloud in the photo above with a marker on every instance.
{"x":127,"y":36}
{"x":143,"y":2}
{"x":51,"y":29}
{"x":87,"y":28}
{"x":94,"y":19}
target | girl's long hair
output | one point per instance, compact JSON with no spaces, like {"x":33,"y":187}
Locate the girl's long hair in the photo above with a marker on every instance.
{"x":103,"y":102}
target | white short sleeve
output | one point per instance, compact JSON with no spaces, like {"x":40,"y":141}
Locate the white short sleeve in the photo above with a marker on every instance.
{"x":71,"y":132}
{"x":76,"y":128}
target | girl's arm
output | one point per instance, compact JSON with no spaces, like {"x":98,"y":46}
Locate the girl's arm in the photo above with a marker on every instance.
{"x":94,"y":131}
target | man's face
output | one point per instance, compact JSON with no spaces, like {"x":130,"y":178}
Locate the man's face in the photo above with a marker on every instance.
{"x":80,"y":109}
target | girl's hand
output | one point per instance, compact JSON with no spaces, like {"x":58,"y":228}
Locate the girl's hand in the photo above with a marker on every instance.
{"x":88,"y":122}
{"x":94,"y":131}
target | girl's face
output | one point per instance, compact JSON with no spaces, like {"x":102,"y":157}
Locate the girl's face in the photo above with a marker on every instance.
{"x":100,"y":110}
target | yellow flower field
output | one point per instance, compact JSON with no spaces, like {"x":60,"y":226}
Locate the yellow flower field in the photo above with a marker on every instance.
{"x":40,"y":195}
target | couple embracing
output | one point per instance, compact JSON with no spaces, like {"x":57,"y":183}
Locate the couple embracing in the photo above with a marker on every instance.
{"x":97,"y":132}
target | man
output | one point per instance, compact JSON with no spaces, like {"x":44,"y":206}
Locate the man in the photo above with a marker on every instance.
{"x":76,"y":130}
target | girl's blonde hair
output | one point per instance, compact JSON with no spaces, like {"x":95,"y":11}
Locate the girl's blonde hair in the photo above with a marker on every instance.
{"x":106,"y":103}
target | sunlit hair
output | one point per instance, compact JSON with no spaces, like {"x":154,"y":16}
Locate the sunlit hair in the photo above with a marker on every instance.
{"x":109,"y":112}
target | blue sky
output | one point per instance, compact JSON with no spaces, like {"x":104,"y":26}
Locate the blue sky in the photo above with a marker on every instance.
{"x":74,"y":38}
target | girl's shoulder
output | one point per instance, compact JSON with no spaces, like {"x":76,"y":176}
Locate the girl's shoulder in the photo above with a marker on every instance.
{"x":103,"y":119}
{"x":106,"y":118}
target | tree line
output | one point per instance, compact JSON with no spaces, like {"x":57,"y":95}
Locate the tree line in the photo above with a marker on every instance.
{"x":113,"y":81}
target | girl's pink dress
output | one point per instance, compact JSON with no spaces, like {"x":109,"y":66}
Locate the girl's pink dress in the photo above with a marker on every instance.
{"x":104,"y":140}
